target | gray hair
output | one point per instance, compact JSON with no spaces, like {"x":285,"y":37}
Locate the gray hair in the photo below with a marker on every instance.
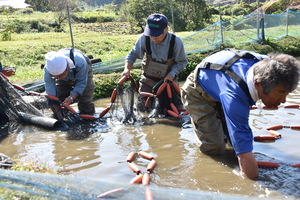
{"x":278,"y":69}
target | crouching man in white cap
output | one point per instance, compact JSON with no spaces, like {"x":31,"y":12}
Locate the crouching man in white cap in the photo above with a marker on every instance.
{"x":68,"y":75}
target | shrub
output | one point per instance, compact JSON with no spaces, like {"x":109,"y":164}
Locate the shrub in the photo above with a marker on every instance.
{"x":6,"y":35}
{"x":25,"y":11}
{"x":15,"y":26}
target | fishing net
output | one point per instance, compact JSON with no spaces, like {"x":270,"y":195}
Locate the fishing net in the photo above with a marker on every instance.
{"x":25,"y":185}
{"x":12,"y":103}
{"x":123,"y":98}
{"x":129,"y":106}
{"x":17,"y":109}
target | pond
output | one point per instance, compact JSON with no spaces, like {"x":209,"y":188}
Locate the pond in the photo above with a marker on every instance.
{"x":99,"y":151}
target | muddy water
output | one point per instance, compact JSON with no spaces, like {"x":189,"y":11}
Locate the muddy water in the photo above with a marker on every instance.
{"x":99,"y":151}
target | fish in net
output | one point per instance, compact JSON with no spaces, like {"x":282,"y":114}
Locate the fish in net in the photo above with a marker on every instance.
{"x":123,"y":107}
{"x":128,"y":107}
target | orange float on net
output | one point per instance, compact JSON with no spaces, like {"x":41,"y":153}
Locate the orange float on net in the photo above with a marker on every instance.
{"x":5,"y":77}
{"x":148,"y":102}
{"x":104,"y":111}
{"x":8,"y":71}
{"x":169,"y":91}
{"x":134,"y":168}
{"x":267,"y":164}
{"x":295,"y":127}
{"x":85,"y":116}
{"x":145,"y":155}
{"x":113,"y":96}
{"x":291,"y":106}
{"x":34,"y":93}
{"x":173,"y":107}
{"x":130,"y":157}
{"x":173,"y":114}
{"x":275,"y":133}
{"x":161,"y":88}
{"x":146,"y":179}
{"x":151,"y":165}
{"x":122,"y":80}
{"x":137,"y":179}
{"x":70,"y":108}
{"x":176,"y":87}
{"x":264,"y":137}
{"x":148,"y":194}
{"x":48,"y":96}
{"x":296,"y":165}
{"x":148,"y":94}
{"x":275,"y":127}
{"x":141,"y":177}
{"x":108,"y":194}
{"x":18,"y":87}
{"x":185,"y":113}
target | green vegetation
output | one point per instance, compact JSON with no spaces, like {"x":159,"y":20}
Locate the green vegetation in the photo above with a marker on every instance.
{"x":13,"y":193}
{"x":27,"y":35}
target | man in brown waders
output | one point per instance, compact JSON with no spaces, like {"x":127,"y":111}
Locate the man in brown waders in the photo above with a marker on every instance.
{"x":163,"y":59}
{"x":69,"y":76}
{"x":219,"y":93}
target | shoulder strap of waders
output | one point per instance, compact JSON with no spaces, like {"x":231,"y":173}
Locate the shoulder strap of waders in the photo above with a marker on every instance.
{"x":148,"y":47}
{"x":171,"y":47}
{"x":72,"y":55}
{"x":73,"y":59}
{"x":229,"y":72}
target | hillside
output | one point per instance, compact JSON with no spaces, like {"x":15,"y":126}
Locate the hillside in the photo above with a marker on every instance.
{"x":97,"y":2}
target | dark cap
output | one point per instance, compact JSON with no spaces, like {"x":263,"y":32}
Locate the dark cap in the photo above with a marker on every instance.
{"x":156,"y":24}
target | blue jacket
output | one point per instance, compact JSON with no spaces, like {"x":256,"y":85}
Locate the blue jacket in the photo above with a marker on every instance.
{"x":235,"y":102}
{"x":78,"y":73}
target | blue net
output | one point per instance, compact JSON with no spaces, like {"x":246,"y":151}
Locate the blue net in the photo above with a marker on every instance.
{"x":244,"y":29}
{"x":25,"y":185}
{"x":283,"y":24}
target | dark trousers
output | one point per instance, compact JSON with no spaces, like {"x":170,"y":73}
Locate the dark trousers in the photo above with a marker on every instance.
{"x":85,"y":101}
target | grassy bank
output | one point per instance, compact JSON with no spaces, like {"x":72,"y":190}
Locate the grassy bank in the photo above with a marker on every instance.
{"x":27,"y":51}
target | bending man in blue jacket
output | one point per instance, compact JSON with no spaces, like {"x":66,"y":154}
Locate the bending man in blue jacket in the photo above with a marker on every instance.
{"x":219,"y":93}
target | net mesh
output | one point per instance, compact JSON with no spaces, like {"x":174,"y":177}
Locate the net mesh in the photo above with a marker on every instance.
{"x":44,"y":186}
{"x":123,"y":109}
{"x":12,"y":103}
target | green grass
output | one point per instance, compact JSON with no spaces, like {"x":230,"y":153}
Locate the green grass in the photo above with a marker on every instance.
{"x":26,"y":51}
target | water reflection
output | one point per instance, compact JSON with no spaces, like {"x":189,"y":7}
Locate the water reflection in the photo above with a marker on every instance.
{"x":98,"y":150}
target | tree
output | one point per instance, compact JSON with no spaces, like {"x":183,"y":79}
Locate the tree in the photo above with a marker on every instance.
{"x":39,"y":5}
{"x":190,"y":14}
{"x":60,"y":9}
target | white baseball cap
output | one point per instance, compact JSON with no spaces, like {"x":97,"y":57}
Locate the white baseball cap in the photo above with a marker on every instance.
{"x":56,"y":63}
